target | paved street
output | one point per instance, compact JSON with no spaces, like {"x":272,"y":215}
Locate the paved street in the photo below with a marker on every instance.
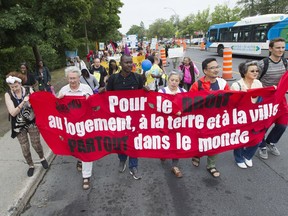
{"x":261,"y":190}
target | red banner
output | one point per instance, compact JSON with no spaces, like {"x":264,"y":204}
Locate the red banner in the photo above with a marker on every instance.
{"x":155,"y":125}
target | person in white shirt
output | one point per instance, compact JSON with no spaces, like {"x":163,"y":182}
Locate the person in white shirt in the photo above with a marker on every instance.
{"x":249,"y":72}
{"x":75,"y":88}
{"x":173,"y":88}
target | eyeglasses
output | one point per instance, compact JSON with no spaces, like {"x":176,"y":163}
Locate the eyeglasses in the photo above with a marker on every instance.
{"x":254,"y":71}
{"x":214,"y":67}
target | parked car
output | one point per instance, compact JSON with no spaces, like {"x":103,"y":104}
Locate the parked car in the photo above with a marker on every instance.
{"x":197,"y":41}
{"x":187,"y":41}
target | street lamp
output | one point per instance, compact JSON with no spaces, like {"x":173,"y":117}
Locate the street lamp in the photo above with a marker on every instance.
{"x":169,"y":8}
{"x":176,"y":18}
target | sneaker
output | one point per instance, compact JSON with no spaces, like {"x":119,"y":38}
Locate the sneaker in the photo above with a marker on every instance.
{"x":176,"y":172}
{"x":30,"y":171}
{"x":242,"y":165}
{"x":79,"y":166}
{"x":44,"y":164}
{"x":273,"y":149}
{"x":86,"y":183}
{"x":134,"y":173}
{"x":249,"y":163}
{"x":263,"y":153}
{"x":122,"y":166}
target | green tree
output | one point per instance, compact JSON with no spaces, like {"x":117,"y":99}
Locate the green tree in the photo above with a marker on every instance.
{"x":50,"y":27}
{"x":104,"y":22}
{"x":260,"y":7}
{"x":222,"y":14}
{"x":138,"y":30}
{"x":161,"y":28}
{"x":31,"y":23}
{"x":186,"y":27}
{"x":202,"y":20}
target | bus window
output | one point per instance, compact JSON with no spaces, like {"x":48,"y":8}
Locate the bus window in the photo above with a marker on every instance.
{"x":244,"y":34}
{"x":224,"y":35}
{"x":260,"y":32}
{"x":213,"y":35}
{"x":235,"y":36}
{"x":263,"y":37}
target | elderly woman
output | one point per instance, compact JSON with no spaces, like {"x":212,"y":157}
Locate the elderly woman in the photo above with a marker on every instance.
{"x":173,"y":88}
{"x":76,"y":88}
{"x":23,"y":120}
{"x":249,"y":72}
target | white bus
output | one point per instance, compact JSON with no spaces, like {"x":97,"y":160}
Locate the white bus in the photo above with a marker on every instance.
{"x":249,"y":36}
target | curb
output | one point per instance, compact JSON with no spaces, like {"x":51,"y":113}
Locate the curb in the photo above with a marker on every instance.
{"x":27,"y":192}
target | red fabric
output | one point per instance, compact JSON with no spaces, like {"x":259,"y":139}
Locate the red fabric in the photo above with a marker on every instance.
{"x":113,"y":45}
{"x":88,"y":55}
{"x":224,"y":120}
{"x":205,"y":85}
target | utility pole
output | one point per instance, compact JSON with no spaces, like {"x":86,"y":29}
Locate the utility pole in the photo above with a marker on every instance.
{"x":86,"y":37}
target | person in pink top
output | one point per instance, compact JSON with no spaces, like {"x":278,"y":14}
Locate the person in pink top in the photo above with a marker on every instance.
{"x":190,"y":72}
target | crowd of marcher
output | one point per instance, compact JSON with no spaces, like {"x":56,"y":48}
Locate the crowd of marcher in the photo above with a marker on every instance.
{"x":90,"y":77}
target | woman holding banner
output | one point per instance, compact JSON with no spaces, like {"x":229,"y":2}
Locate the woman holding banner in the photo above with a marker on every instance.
{"x":22,"y":119}
{"x":173,"y":88}
{"x":249,"y":72}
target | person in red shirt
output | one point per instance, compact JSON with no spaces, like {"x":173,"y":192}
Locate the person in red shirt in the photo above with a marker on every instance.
{"x":210,"y":82}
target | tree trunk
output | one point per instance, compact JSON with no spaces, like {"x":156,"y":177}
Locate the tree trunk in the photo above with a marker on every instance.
{"x":36,"y":53}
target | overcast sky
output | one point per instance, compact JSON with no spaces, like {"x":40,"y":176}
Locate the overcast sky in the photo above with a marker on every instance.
{"x":135,"y":11}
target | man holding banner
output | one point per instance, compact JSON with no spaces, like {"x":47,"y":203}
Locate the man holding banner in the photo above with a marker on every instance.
{"x":126,"y":80}
{"x":272,"y":69}
{"x":210,"y":82}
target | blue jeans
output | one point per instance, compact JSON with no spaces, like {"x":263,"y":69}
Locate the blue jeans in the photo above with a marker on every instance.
{"x":133,"y":162}
{"x":247,"y":152}
{"x":274,"y":135}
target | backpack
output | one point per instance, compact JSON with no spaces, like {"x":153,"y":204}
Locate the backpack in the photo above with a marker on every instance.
{"x":200,"y":88}
{"x":266,"y":64}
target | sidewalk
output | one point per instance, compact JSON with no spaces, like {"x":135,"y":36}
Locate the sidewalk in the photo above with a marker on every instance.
{"x":15,"y":186}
